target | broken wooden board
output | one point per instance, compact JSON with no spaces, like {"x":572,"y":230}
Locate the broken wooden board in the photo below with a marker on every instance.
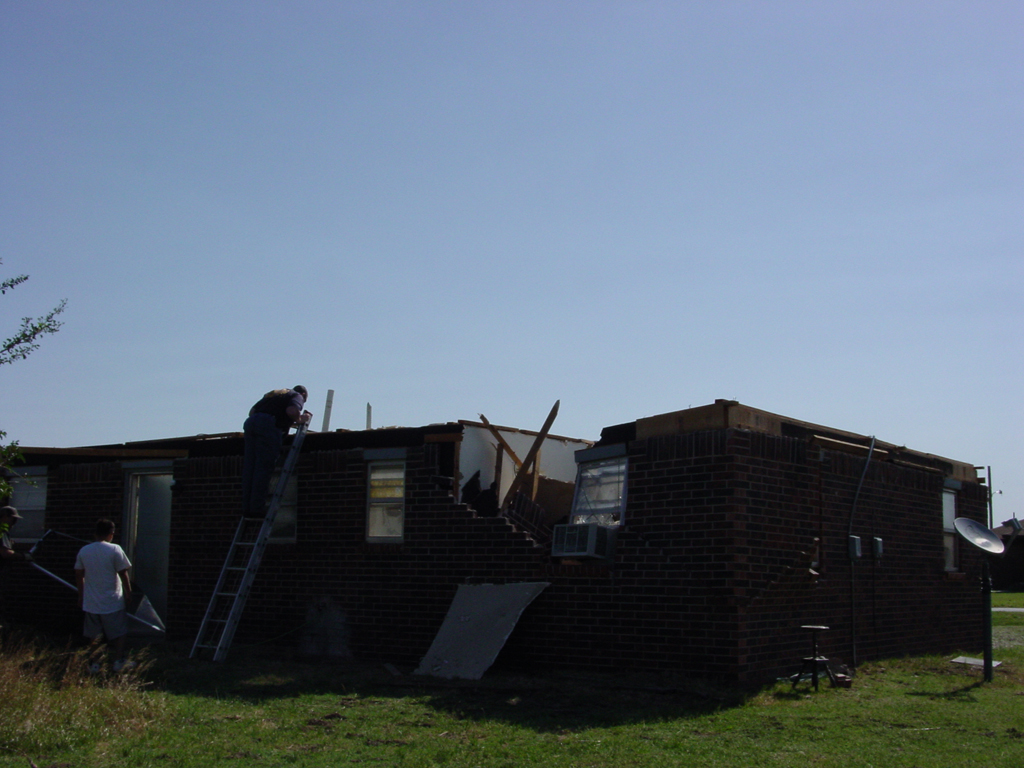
{"x":531,"y":455}
{"x":501,"y":440}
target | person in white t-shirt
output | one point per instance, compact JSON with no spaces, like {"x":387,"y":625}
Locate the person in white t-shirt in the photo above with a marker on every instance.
{"x":101,"y":570}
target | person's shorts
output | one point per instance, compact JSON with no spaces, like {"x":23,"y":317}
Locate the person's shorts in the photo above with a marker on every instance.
{"x":111,"y":625}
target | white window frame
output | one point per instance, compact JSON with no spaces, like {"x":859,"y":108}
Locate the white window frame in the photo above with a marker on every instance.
{"x":28,"y":496}
{"x":950,"y":545}
{"x":600,"y":480}
{"x":385,"y":502}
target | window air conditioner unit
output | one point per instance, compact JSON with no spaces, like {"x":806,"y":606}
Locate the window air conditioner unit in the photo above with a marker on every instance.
{"x":584,"y":540}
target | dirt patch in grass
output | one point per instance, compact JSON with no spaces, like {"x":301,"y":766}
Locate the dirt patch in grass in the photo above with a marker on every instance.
{"x":1007,"y":637}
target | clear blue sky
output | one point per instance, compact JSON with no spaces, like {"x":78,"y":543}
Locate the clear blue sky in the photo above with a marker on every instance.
{"x":454,"y":208}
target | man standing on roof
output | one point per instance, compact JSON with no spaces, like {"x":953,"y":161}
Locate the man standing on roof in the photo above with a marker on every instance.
{"x":101,"y":571}
{"x":269,"y":421}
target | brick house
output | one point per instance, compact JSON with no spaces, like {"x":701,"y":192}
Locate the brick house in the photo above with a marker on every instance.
{"x":177,"y":503}
{"x":732,"y":528}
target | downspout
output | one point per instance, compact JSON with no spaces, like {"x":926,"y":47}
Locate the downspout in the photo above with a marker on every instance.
{"x":988,"y":487}
{"x":853,"y":560}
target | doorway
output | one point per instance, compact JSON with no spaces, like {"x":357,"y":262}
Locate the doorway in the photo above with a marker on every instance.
{"x":147,"y":529}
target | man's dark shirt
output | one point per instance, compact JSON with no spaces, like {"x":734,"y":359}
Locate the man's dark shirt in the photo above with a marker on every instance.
{"x":276,"y":404}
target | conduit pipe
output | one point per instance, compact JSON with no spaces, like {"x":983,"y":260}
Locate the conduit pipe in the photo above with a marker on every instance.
{"x":853,"y":558}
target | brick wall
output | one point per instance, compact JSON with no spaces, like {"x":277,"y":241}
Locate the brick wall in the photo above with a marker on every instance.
{"x":76,"y":496}
{"x":712,"y":569}
{"x":663,"y":603}
{"x":903,"y":603}
{"x":711,"y":574}
{"x":394,"y":596}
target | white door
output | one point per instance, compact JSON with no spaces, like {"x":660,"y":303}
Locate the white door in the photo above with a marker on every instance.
{"x":148,"y":529}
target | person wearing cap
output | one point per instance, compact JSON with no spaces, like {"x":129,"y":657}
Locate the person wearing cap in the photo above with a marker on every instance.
{"x":269,"y":421}
{"x":8,"y":518}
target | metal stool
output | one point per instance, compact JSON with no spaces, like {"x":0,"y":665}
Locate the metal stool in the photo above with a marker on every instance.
{"x":813,"y":661}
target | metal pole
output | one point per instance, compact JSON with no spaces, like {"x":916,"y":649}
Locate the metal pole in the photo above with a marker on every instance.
{"x":986,"y":601}
{"x":72,"y":587}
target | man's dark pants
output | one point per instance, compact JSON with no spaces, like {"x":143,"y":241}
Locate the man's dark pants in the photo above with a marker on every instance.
{"x":263,"y":441}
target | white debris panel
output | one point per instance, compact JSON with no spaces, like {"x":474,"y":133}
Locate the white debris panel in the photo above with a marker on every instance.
{"x":479,"y":621}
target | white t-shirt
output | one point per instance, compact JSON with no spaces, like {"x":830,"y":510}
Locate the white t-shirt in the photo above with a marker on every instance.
{"x":101,"y":562}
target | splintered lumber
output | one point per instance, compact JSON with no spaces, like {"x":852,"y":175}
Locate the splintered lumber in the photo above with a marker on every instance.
{"x":531,"y":456}
{"x":501,"y":440}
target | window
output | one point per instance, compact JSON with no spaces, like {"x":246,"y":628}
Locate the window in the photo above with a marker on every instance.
{"x":600,"y":495}
{"x":28,"y":496}
{"x":949,"y":541}
{"x":385,"y":509}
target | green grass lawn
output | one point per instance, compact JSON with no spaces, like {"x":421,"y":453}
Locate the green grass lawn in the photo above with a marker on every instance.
{"x":1008,"y":599}
{"x":260,"y":710}
{"x":1001,"y":619}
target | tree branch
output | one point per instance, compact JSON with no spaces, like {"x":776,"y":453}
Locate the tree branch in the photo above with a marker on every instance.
{"x":24,"y":342}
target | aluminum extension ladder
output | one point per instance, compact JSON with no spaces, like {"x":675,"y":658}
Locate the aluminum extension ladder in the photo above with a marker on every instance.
{"x":236,"y":577}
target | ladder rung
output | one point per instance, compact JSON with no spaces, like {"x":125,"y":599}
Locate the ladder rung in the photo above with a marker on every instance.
{"x":237,"y":599}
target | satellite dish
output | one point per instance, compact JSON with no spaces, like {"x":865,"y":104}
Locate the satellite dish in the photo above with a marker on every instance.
{"x":979,"y":535}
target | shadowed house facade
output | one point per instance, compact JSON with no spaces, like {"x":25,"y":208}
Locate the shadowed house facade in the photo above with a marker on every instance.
{"x":735,"y":529}
{"x":696,"y":542}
